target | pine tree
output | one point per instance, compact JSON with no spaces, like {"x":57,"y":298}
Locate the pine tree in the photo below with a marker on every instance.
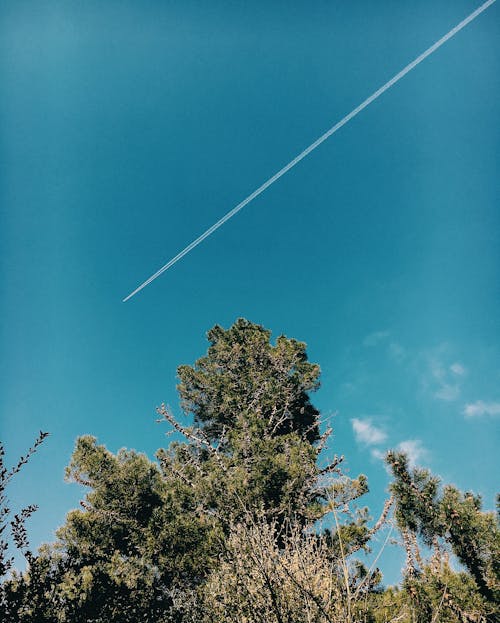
{"x":446,"y":517}
{"x":255,"y":436}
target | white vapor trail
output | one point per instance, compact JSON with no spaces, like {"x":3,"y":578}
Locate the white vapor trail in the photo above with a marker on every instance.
{"x":314,"y":145}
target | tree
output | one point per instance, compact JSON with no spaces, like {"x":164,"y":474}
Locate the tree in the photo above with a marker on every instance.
{"x":245,"y":381}
{"x":255,"y":436}
{"x":250,"y":458}
{"x":147,"y":533}
{"x":17,"y":525}
{"x":123,"y":556}
{"x":444,"y":516}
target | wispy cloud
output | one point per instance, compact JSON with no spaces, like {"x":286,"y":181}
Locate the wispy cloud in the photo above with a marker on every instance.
{"x":414,"y":450}
{"x":458,"y":369}
{"x":377,"y":453}
{"x":374,"y":437}
{"x":448,"y":392}
{"x":480,"y":408}
{"x":375,"y":338}
{"x":367,"y":433}
{"x":445,"y":379}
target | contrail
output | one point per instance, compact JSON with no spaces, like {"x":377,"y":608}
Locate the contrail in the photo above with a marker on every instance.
{"x":313,"y":146}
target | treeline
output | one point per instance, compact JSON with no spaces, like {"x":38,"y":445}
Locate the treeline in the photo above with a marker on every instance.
{"x":238,"y":523}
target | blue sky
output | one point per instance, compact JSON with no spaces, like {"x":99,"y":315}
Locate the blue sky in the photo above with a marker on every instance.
{"x":127,"y":128}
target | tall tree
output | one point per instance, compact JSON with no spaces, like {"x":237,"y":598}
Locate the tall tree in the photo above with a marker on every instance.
{"x":436,"y":513}
{"x":148,"y":533}
{"x":255,"y":436}
{"x":245,"y":380}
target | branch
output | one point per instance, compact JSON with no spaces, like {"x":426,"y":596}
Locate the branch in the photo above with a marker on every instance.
{"x":381,"y":521}
{"x":332,"y":467}
{"x":201,"y":442}
{"x":24,"y":459}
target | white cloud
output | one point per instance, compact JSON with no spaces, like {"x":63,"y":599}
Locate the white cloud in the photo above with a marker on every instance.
{"x":458,"y":369}
{"x":414,"y":450}
{"x":365,"y":432}
{"x":448,"y":392}
{"x":445,"y":384}
{"x":479,"y":408}
{"x":375,"y":338}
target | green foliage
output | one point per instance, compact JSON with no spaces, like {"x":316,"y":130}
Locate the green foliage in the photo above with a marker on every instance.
{"x":224,"y":526}
{"x":246,"y":385}
{"x":120,"y":557}
{"x":253,"y":443}
{"x":432,"y":512}
{"x":445,"y":595}
{"x":436,"y":595}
